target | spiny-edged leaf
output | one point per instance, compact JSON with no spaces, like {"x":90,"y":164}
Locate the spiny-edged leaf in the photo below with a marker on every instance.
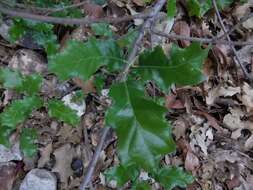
{"x":102,"y":29}
{"x":183,"y":67}
{"x":10,"y":79}
{"x":171,"y":8}
{"x":41,"y":33}
{"x":28,"y":138}
{"x":142,"y":185}
{"x":30,"y":84}
{"x":144,"y":134}
{"x":18,"y":111}
{"x":171,"y":177}
{"x":122,"y":174}
{"x":83,"y":59}
{"x":57,"y":109}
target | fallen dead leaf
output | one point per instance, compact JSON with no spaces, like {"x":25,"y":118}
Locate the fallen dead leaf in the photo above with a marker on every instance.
{"x":182,"y":28}
{"x":45,"y":155}
{"x":63,"y":159}
{"x":191,"y":162}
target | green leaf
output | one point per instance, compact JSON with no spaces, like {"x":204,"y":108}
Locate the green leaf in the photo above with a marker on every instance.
{"x":142,"y":186}
{"x":102,"y":29}
{"x":28,"y":141}
{"x":58,"y":110}
{"x":18,"y":111}
{"x":171,"y":177}
{"x":121,"y":174}
{"x":31,"y":84}
{"x":183,"y":68}
{"x":82,"y":60}
{"x":171,"y":8}
{"x":41,"y":33}
{"x":127,"y":40}
{"x":144,"y":134}
{"x":10,"y":79}
{"x":199,"y":8}
{"x":4,"y":135}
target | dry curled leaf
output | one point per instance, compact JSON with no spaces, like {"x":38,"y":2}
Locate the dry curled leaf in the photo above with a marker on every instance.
{"x":63,"y":158}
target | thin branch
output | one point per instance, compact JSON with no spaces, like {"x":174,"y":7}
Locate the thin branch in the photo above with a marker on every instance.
{"x":135,"y":50}
{"x":236,"y":58}
{"x":242,"y":20}
{"x":43,"y":9}
{"x":136,"y":47}
{"x":70,"y":21}
{"x":67,"y":7}
{"x":93,"y":162}
{"x":202,"y":40}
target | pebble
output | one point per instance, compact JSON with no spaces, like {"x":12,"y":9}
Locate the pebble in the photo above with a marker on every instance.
{"x":39,"y":179}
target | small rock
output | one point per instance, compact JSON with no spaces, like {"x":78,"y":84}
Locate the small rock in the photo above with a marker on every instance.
{"x":13,"y":153}
{"x":28,"y":62}
{"x":79,"y":105}
{"x":39,"y":179}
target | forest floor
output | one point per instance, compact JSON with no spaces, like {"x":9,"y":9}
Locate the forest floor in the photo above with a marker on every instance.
{"x":212,"y":122}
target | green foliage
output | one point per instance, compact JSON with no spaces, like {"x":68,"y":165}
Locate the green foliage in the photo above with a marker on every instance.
{"x":10,"y":79}
{"x":171,"y":8}
{"x":41,"y":33}
{"x":102,"y":29}
{"x":171,"y":177}
{"x":28,"y":141}
{"x":83,"y":59}
{"x":183,"y":67}
{"x":142,"y":186}
{"x":16,"y":113}
{"x":29,"y":85}
{"x":58,"y":110}
{"x":142,"y":140}
{"x":122,"y":174}
{"x":199,"y":8}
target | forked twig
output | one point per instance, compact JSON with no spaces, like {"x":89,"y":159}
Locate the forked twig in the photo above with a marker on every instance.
{"x":135,"y":50}
{"x":236,"y":57}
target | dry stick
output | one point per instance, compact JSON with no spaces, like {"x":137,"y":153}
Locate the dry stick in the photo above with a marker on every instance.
{"x":69,"y":21}
{"x":202,"y":40}
{"x":242,"y":20}
{"x":245,"y":72}
{"x":135,"y":50}
{"x":66,"y":7}
{"x":93,"y":162}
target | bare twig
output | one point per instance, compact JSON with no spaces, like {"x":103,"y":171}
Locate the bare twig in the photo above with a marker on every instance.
{"x":93,"y":162}
{"x":67,"y":7}
{"x":69,"y":21}
{"x":202,"y":40}
{"x":131,"y":57}
{"x":136,"y":47}
{"x":242,"y":20}
{"x":236,"y":58}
